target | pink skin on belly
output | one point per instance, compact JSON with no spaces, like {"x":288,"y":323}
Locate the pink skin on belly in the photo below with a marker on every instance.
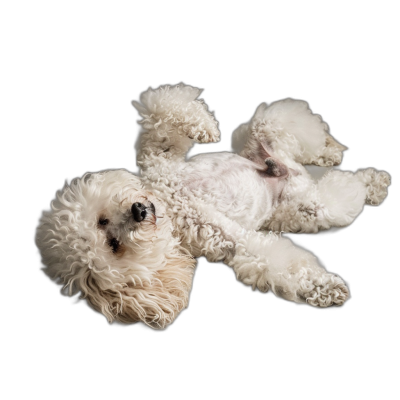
{"x":229,"y":179}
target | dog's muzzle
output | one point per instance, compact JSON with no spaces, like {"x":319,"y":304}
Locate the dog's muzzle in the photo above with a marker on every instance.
{"x":139,"y":211}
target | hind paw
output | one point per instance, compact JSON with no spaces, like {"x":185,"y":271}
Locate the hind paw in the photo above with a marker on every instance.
{"x":377,"y":183}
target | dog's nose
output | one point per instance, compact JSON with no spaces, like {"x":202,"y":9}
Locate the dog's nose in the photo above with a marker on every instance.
{"x":138,"y":211}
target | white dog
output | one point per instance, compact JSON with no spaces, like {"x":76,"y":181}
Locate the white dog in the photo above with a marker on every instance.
{"x":128,"y":244}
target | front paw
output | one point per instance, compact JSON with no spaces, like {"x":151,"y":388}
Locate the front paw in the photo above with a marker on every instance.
{"x":168,"y":110}
{"x":204,"y":132}
{"x":323,"y":291}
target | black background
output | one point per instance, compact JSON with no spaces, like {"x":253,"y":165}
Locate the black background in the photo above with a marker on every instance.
{"x":81,"y":88}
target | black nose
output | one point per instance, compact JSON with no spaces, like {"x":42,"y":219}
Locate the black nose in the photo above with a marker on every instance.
{"x":139,"y":211}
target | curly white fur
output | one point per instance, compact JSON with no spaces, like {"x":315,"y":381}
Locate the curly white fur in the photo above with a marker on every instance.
{"x":376,"y":182}
{"x":218,"y":205}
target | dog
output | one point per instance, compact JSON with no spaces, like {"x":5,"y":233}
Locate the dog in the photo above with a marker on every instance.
{"x":129,"y":243}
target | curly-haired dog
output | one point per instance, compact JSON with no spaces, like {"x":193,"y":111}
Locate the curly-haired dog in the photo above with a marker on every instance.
{"x":128,"y":244}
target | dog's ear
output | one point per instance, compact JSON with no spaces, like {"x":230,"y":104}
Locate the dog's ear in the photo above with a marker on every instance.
{"x":156,"y":302}
{"x":331,"y":154}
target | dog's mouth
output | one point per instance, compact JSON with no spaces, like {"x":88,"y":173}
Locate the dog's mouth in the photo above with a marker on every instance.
{"x":141,"y":211}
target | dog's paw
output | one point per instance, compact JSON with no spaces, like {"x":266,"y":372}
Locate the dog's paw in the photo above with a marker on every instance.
{"x":323,"y":291}
{"x":377,"y":183}
{"x":203,"y":132}
{"x":330,"y":155}
{"x":177,"y":109}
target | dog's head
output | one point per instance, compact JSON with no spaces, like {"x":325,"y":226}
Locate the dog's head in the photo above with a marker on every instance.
{"x":111,"y":239}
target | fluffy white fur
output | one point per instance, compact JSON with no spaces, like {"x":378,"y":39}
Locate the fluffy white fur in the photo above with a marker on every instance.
{"x":223,"y":206}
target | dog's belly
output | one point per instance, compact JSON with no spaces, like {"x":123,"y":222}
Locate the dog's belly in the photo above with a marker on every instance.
{"x":234,"y":186}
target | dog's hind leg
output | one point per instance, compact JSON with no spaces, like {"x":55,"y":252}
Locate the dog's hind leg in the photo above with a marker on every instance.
{"x":335,"y":200}
{"x":289,"y":130}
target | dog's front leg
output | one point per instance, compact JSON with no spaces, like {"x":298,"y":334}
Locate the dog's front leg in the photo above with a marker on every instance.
{"x":260,"y":259}
{"x":173,"y":118}
{"x":266,"y":261}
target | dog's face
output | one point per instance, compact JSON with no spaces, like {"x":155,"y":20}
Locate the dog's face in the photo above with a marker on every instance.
{"x":111,"y":239}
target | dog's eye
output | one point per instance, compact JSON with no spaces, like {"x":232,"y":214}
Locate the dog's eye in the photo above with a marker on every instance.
{"x":114,"y":244}
{"x":103,"y":221}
